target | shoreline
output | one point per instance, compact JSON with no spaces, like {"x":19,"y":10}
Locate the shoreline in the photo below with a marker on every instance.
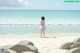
{"x":38,"y":35}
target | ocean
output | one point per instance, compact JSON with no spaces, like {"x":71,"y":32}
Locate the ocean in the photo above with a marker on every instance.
{"x":28,"y":21}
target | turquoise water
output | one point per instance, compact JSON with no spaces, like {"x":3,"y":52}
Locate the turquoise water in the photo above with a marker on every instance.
{"x":33,"y":16}
{"x":35,"y":29}
{"x":27,"y":21}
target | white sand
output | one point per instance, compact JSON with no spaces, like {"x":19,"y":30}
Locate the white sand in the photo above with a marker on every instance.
{"x":44,"y":45}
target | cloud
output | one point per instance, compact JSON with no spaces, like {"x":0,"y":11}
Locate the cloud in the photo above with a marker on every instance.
{"x":16,"y":3}
{"x":9,"y":3}
{"x":20,"y":1}
{"x":27,"y":3}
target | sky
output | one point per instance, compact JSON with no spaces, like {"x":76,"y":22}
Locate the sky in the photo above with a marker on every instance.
{"x":39,"y":5}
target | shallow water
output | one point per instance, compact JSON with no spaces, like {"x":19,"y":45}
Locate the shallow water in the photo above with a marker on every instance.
{"x":35,"y":29}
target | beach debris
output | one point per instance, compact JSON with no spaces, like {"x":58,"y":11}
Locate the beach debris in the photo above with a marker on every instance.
{"x":24,"y":42}
{"x":66,"y":45}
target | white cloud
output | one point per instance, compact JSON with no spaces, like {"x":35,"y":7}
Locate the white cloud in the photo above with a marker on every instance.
{"x":9,"y":3}
{"x":20,"y":1}
{"x":27,"y":3}
{"x":16,"y":3}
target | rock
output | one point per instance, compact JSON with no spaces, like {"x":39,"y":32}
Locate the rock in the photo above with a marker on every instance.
{"x":3,"y":49}
{"x":34,"y":49}
{"x":23,"y":48}
{"x":66,"y":45}
{"x":76,"y":40}
{"x":75,"y":50}
{"x":75,"y":45}
{"x":11,"y":51}
{"x":26,"y":43}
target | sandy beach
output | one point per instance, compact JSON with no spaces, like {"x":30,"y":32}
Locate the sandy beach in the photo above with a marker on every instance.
{"x":44,"y":45}
{"x":23,"y":23}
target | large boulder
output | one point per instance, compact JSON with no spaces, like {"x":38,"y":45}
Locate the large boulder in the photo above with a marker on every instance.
{"x":76,"y":40}
{"x":75,"y":45}
{"x":26,"y":43}
{"x":66,"y":45}
{"x":75,"y":50}
{"x":11,"y":51}
{"x":23,"y":48}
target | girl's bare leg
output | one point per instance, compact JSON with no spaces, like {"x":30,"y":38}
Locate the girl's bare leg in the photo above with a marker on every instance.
{"x":41,"y":34}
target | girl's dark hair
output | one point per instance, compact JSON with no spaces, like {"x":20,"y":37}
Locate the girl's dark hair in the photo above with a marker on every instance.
{"x":42,"y":18}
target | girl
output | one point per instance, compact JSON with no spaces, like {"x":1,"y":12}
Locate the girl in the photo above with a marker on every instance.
{"x":42,"y":27}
